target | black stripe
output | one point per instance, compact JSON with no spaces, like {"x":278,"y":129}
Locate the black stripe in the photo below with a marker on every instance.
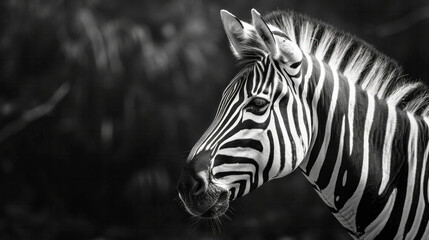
{"x":250,"y":124}
{"x":241,"y":188}
{"x":329,"y":52}
{"x":295,"y":65}
{"x":303,"y":71}
{"x":348,"y":55}
{"x":281,"y":143}
{"x":258,"y":112}
{"x":296,"y":121}
{"x":244,"y":143}
{"x":220,"y":175}
{"x":317,"y":38}
{"x":224,"y":159}
{"x":232,"y":194}
{"x":270,"y":157}
{"x":368,"y":67}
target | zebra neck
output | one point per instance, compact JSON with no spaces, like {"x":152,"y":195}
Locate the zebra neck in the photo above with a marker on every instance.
{"x":360,"y":154}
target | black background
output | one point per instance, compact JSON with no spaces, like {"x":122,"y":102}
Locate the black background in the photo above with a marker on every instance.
{"x":101,"y":101}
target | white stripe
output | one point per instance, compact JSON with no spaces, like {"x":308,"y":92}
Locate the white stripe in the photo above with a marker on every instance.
{"x":276,"y":154}
{"x":305,"y":92}
{"x":240,"y":152}
{"x":351,"y":112}
{"x":316,"y":97}
{"x":295,"y":138}
{"x":387,"y":148}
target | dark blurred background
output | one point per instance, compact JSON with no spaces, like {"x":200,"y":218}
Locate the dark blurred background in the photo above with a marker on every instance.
{"x":101,"y":101}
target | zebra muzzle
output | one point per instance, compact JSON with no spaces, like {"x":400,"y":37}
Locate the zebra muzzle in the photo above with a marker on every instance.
{"x":202,"y":198}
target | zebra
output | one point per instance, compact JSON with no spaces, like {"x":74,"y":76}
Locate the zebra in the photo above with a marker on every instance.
{"x":313,"y":97}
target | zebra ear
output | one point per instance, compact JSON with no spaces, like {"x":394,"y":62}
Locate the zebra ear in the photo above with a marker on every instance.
{"x":280,"y":47}
{"x":265,"y":33}
{"x":236,"y":30}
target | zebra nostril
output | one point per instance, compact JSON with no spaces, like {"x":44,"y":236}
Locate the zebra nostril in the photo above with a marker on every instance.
{"x":199,"y":185}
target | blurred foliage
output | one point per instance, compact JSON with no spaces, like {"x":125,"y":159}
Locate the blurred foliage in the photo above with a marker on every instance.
{"x":100,"y":102}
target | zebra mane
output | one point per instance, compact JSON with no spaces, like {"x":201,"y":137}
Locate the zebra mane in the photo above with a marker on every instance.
{"x":360,"y":62}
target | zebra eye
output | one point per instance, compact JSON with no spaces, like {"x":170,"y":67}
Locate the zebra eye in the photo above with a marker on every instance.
{"x":257,"y":104}
{"x":260,"y":102}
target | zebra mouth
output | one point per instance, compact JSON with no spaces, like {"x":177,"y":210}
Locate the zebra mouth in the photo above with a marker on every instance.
{"x":219,"y":207}
{"x":212,"y":203}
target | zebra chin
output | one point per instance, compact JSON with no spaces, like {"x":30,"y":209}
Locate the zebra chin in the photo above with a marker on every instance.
{"x":219,"y":207}
{"x":209,"y":205}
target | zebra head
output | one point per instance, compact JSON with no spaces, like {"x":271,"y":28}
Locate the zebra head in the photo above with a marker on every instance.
{"x":260,"y":131}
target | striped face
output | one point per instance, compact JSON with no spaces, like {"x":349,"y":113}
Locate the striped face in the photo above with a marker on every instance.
{"x":254,"y":137}
{"x":259,"y":132}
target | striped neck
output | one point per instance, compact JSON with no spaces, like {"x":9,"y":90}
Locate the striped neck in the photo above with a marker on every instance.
{"x":359,"y":151}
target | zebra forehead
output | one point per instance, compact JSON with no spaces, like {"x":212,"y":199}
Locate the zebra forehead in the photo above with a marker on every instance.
{"x":246,"y":73}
